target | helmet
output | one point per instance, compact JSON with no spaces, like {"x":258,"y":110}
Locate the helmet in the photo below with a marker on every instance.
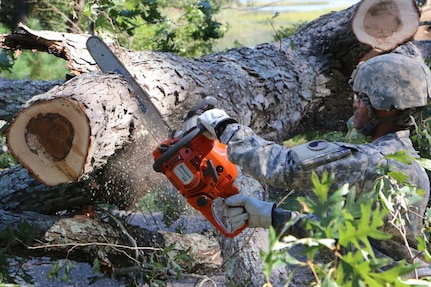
{"x":393,"y":81}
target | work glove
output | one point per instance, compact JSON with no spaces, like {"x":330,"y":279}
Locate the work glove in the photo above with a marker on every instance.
{"x":215,"y":121}
{"x":241,"y":207}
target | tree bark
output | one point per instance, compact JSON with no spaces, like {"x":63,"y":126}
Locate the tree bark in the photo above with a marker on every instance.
{"x":80,"y":237}
{"x":251,"y":80}
{"x":20,"y":192}
{"x":14,"y":94}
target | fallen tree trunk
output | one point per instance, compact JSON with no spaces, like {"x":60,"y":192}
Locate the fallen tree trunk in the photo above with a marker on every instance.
{"x":308,"y":70}
{"x":116,"y":245}
{"x":20,"y":192}
{"x":15,"y":93}
{"x":247,"y":79}
{"x":258,"y":68}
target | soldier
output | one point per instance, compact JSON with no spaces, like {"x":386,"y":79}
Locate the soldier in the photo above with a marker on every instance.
{"x":388,"y":91}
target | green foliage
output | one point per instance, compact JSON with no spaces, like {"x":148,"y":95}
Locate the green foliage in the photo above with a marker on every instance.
{"x":32,"y":65}
{"x":199,"y":27}
{"x":341,"y":236}
{"x":61,"y":269}
{"x":12,"y":270}
{"x":113,"y":16}
{"x":7,"y":59}
{"x":421,"y":136}
{"x":6,"y":159}
{"x":135,"y":24}
{"x":285,"y":32}
{"x":11,"y":267}
{"x":217,"y":4}
{"x":54,"y":15}
{"x":35,"y":66}
{"x":139,"y":25}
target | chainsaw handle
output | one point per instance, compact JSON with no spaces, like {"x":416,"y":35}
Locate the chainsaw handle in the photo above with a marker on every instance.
{"x":205,"y":205}
{"x":177,"y":146}
{"x":209,"y":101}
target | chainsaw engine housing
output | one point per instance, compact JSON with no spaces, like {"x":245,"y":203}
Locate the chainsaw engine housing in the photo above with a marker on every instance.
{"x":198,"y":167}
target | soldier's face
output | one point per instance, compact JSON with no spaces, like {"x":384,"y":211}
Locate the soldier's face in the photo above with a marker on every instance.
{"x":360,"y":112}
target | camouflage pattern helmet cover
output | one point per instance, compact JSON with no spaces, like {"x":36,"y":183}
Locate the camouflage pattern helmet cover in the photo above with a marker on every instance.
{"x":393,"y":81}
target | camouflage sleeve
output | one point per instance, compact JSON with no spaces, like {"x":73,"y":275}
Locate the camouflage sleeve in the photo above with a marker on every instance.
{"x":280,"y":166}
{"x":263,"y":159}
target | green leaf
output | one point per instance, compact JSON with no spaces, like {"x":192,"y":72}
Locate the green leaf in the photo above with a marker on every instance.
{"x":423,"y":245}
{"x":400,"y":177}
{"x":357,"y":233}
{"x":321,"y":186}
{"x":54,"y":271}
{"x":424,"y":162}
{"x":354,"y":268}
{"x":391,"y":274}
{"x":96,"y":265}
{"x":401,"y":156}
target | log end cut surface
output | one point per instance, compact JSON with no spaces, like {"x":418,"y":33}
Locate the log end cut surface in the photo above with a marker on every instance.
{"x":51,"y":139}
{"x":385,"y":24}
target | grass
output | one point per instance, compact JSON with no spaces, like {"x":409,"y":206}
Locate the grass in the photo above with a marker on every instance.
{"x":249,"y":27}
{"x":252,"y":27}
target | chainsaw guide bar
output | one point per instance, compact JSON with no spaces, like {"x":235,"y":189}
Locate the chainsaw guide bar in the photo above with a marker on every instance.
{"x":108,"y":62}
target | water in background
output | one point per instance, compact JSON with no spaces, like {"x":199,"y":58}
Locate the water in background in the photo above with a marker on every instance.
{"x":314,"y":5}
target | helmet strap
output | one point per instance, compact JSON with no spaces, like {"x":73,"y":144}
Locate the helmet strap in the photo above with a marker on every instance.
{"x":369,"y":127}
{"x":372,"y":124}
{"x":400,"y":120}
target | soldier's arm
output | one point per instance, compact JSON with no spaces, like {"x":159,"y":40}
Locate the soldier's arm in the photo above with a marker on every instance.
{"x":290,"y":222}
{"x":280,"y":166}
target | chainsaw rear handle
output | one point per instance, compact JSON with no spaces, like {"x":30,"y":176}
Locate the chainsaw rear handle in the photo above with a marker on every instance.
{"x":185,"y":140}
{"x":205,"y":205}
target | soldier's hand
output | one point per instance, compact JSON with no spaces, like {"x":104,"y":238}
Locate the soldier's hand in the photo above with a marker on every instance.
{"x":215,"y":121}
{"x":241,"y":207}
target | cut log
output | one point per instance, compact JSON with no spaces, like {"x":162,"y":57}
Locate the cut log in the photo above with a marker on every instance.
{"x":65,"y":134}
{"x":51,"y":138}
{"x":386,"y":24}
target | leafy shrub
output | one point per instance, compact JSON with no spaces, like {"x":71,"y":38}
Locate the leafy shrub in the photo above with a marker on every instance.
{"x":348,"y":221}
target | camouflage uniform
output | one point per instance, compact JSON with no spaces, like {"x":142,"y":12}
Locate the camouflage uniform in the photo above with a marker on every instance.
{"x":353,"y":164}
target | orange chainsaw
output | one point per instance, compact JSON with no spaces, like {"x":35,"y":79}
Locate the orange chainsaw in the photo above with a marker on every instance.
{"x":198,"y":167}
